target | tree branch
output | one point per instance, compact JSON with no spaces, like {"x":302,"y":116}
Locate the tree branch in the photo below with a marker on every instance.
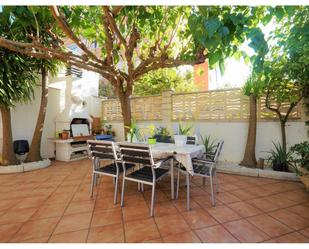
{"x":39,"y":51}
{"x":113,"y":26}
{"x":109,"y":40}
{"x":70,"y":34}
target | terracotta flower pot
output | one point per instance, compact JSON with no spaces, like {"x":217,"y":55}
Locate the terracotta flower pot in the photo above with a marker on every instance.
{"x":65,"y":135}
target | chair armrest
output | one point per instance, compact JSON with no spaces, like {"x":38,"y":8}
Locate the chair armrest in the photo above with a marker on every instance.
{"x":202,"y":160}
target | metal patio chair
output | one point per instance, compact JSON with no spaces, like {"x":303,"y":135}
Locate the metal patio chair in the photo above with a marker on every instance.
{"x":149,"y":173}
{"x":105,"y":151}
{"x":191,"y":140}
{"x":203,"y":167}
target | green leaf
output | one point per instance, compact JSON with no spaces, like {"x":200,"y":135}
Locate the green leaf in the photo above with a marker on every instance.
{"x":212,"y":25}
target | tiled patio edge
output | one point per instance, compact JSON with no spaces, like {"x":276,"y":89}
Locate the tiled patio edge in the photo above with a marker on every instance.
{"x":233,"y":168}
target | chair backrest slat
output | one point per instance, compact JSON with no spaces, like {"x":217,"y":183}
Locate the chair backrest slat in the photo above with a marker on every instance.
{"x":218,"y":150}
{"x":102,"y":155}
{"x":191,"y":140}
{"x":136,"y":153}
{"x":133,"y":159}
{"x":102,"y":149}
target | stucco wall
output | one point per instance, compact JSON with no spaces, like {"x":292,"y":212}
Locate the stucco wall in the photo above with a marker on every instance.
{"x":234,"y":135}
{"x":24,"y":118}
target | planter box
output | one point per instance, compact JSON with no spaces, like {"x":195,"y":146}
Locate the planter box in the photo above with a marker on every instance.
{"x":180,"y":140}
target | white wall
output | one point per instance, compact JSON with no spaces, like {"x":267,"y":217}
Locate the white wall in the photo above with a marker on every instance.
{"x":24,"y":117}
{"x":234,"y":135}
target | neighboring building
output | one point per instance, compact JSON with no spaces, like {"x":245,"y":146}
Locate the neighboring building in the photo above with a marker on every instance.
{"x":201,"y":75}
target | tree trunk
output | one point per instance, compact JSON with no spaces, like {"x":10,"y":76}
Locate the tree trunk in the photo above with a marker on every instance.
{"x":126,"y":111}
{"x":35,"y":148}
{"x":282,"y":124}
{"x":249,"y":156}
{"x":8,"y":155}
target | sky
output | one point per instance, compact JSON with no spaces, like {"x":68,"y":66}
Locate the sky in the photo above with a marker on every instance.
{"x":236,"y":72}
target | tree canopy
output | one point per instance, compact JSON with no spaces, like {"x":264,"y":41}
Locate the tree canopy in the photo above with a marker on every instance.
{"x":124,"y":43}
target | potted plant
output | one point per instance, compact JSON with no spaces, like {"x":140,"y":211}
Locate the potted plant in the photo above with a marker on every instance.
{"x":208,"y":143}
{"x":280,"y":159}
{"x":152,"y":139}
{"x":301,"y":159}
{"x":162,"y":135}
{"x":181,"y":138}
{"x":134,"y":132}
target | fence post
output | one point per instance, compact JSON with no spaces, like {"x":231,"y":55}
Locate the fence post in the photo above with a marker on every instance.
{"x":167,"y":109}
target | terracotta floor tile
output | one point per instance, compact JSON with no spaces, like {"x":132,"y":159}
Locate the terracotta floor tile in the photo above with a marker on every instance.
{"x":6,"y":204}
{"x":134,"y":200}
{"x":106,"y":217}
{"x":205,"y":201}
{"x":12,"y":216}
{"x":141,"y":230}
{"x":80,"y":207}
{"x":269,"y":225}
{"x":159,"y":196}
{"x":305,"y":232}
{"x":215,"y":234}
{"x":223,"y":213}
{"x":198,"y":218}
{"x":73,"y":222}
{"x":7,"y":231}
{"x":164,"y":208}
{"x":264,"y":204}
{"x":186,"y":237}
{"x":135,"y":212}
{"x":243,"y":194}
{"x":300,"y":196}
{"x":245,"y":231}
{"x":290,"y":219}
{"x":63,"y":189}
{"x":227,"y":198}
{"x":292,"y":238}
{"x":72,"y":237}
{"x":281,"y":202}
{"x":171,"y":224}
{"x":258,"y":191}
{"x":154,"y":241}
{"x":49,"y":211}
{"x":106,"y":203}
{"x":59,"y":198}
{"x":181,"y":204}
{"x":228,"y":187}
{"x":35,"y":229}
{"x":244,"y":209}
{"x":36,"y":240}
{"x":106,"y":234}
{"x":301,"y":210}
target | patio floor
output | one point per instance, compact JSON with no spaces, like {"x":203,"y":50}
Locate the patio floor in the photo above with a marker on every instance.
{"x":53,"y":205}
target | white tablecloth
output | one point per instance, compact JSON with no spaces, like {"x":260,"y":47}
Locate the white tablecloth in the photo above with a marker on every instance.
{"x":182,"y":154}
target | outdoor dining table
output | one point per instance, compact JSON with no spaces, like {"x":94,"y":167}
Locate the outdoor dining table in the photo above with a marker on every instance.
{"x":182,"y":154}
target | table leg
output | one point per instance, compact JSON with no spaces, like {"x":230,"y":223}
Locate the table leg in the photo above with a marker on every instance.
{"x":172,"y":180}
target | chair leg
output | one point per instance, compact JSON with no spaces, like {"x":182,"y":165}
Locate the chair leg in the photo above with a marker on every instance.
{"x":177,"y":188}
{"x":116,"y":189}
{"x":92,"y":185}
{"x":138,"y":187}
{"x":188,"y":191}
{"x":217,"y":182}
{"x":212,"y":190}
{"x":152,"y":199}
{"x":122,"y":192}
{"x":142,"y":187}
{"x":204,"y":181}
